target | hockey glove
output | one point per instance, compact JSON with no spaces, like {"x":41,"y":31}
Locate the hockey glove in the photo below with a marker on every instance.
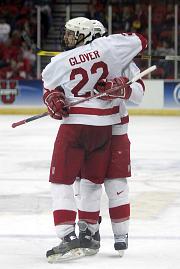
{"x":102,"y":86}
{"x":116,"y":84}
{"x":55,"y":102}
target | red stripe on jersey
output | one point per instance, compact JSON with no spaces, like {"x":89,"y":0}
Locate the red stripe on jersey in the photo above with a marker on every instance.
{"x":119,"y":213}
{"x":124,"y":120}
{"x":143,"y":41}
{"x":64,"y":217}
{"x":142,"y":84}
{"x":94,"y":111}
{"x":89,"y":217}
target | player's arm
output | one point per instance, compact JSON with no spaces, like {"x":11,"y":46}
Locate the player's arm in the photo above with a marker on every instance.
{"x":133,"y":92}
{"x":138,"y":87}
{"x":118,"y":85}
{"x":54,"y":95}
{"x":125,"y":46}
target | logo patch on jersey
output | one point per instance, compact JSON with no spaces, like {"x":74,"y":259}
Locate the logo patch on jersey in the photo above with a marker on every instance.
{"x":119,"y":192}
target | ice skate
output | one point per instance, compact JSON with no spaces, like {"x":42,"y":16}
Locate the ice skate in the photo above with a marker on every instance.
{"x":121,"y":243}
{"x":97,"y":236}
{"x":68,"y":249}
{"x":88,"y":242}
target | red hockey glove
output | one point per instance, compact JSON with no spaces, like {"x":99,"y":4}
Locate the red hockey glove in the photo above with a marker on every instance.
{"x":102,"y":86}
{"x":124,"y":93}
{"x":55,"y":102}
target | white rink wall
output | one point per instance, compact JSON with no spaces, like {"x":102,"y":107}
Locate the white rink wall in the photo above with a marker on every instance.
{"x":161,"y":97}
{"x":154,"y":95}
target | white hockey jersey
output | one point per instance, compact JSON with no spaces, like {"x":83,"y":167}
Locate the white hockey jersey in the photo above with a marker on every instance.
{"x":78,"y":70}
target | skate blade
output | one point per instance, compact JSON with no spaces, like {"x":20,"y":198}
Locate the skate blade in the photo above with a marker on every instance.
{"x":121,"y":253}
{"x":90,"y":252}
{"x":71,"y":255}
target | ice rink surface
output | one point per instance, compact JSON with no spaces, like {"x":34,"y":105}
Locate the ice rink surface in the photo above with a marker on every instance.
{"x":26,"y":223}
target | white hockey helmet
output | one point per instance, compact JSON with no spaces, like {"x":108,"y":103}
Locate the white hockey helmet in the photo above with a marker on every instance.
{"x":99,"y":29}
{"x":81,"y":26}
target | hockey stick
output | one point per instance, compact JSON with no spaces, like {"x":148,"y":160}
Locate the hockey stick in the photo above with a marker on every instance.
{"x":41,"y":52}
{"x":48,"y":53}
{"x":138,"y":76}
{"x":142,"y":57}
{"x":158,"y":57}
{"x":15,"y":124}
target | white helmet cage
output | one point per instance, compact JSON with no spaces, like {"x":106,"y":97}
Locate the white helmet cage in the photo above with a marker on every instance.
{"x":99,"y":28}
{"x":81,"y":26}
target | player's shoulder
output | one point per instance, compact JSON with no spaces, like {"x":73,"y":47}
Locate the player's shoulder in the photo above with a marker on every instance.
{"x":100,"y":43}
{"x":61,"y":56}
{"x":118,"y":37}
{"x":56,"y":62}
{"x":128,"y":38}
{"x":64,"y":56}
{"x":125,"y":35}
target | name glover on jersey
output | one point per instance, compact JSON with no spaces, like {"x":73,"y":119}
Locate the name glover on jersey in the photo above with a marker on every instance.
{"x":86,"y":57}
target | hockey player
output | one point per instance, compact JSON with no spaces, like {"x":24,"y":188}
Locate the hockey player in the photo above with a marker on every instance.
{"x":119,"y":169}
{"x":116,"y":185}
{"x":83,"y":140}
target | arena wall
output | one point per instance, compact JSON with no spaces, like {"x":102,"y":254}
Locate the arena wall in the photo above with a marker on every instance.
{"x":25,"y":97}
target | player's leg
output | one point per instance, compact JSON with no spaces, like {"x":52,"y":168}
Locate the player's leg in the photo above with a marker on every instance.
{"x":95,"y":236}
{"x":64,"y":213}
{"x":88,"y":210}
{"x":76,"y":187}
{"x":94,"y":170}
{"x":62,"y":176}
{"x":119,"y":211}
{"x":117,"y":190}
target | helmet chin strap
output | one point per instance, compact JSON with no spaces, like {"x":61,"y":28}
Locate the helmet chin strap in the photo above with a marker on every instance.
{"x":77,"y":43}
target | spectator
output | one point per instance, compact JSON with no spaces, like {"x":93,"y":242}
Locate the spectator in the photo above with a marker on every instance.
{"x":165,"y":48}
{"x":5,"y":30}
{"x":139,"y":19}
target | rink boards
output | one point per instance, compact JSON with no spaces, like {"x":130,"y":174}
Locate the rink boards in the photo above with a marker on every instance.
{"x":25,"y":97}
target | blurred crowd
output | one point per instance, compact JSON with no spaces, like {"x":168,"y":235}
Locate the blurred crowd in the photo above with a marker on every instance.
{"x":132,"y":16}
{"x":18,"y":60}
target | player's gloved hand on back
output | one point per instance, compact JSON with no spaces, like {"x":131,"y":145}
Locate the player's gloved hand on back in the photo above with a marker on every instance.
{"x":102,"y":86}
{"x":55,"y":102}
{"x":122,"y":92}
{"x":116,"y":84}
